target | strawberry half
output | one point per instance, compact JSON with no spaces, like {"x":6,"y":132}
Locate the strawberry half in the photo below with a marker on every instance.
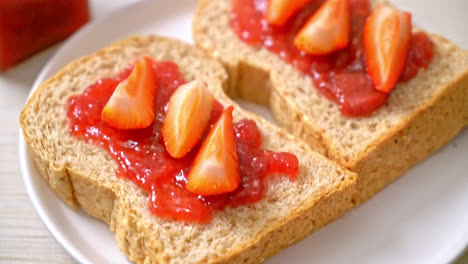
{"x":215,"y":169}
{"x":387,"y":36}
{"x":131,"y":106}
{"x":279,"y":11}
{"x":188,"y":114}
{"x":327,"y":30}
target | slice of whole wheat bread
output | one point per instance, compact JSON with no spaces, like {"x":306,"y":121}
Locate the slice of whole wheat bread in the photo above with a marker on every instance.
{"x":83,"y":174}
{"x":421,"y":115}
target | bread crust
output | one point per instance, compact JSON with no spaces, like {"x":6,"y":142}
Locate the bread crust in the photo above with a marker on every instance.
{"x":378,"y":161}
{"x":83,"y":175}
{"x":425,"y":132}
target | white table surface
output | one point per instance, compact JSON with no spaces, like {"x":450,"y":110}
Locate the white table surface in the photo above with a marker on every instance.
{"x":23,"y":237}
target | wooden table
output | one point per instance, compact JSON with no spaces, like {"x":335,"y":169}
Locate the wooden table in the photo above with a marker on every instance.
{"x":23,"y":237}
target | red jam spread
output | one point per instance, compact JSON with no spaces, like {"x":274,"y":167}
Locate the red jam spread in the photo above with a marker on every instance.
{"x":143,"y":159}
{"x":340,"y":76}
{"x":29,"y":26}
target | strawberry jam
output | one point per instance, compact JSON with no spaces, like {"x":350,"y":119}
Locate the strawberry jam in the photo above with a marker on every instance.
{"x":142,"y":158}
{"x":29,"y":26}
{"x":340,"y":76}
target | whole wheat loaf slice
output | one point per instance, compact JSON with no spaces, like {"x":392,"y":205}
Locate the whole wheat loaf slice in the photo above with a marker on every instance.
{"x":421,"y":115}
{"x":84,"y":175}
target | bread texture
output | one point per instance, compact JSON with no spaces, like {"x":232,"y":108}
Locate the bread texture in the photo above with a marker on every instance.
{"x":83,"y":174}
{"x":420,"y":116}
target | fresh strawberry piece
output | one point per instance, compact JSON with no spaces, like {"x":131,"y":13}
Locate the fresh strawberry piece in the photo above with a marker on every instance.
{"x":327,"y":30}
{"x":279,"y":11}
{"x":216,"y":167}
{"x":387,"y":36}
{"x":188,"y":113}
{"x":131,"y":106}
{"x":420,"y":55}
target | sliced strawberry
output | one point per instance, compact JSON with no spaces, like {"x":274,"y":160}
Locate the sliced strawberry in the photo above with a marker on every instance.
{"x":387,"y":36}
{"x":131,"y":106}
{"x":188,"y":113}
{"x":279,"y":11}
{"x":215,"y":169}
{"x":327,"y":30}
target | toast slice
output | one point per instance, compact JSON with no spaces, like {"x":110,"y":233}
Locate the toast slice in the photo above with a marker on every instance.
{"x":83,"y":174}
{"x":420,"y":117}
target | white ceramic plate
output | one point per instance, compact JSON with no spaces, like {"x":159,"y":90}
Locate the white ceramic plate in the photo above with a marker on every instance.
{"x":421,"y":218}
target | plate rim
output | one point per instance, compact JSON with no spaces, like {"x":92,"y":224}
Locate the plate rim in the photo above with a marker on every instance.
{"x":27,"y":165}
{"x":25,"y":156}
